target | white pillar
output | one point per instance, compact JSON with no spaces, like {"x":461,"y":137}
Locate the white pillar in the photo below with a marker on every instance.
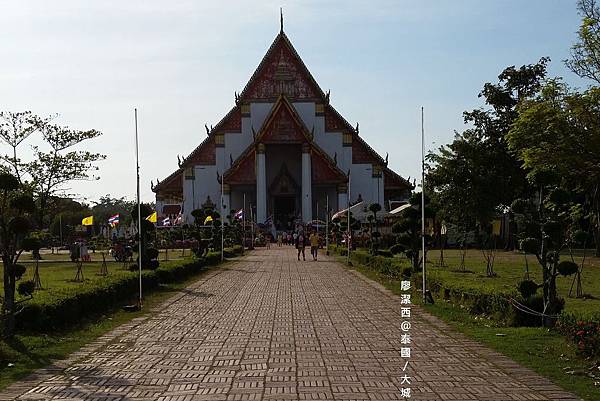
{"x":342,"y":197}
{"x":261,"y":184}
{"x":306,"y":184}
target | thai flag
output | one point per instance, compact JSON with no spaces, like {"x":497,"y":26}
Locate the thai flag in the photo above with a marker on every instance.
{"x":179,"y":219}
{"x":239,"y":214}
{"x":113,"y":220}
{"x":166,"y":222}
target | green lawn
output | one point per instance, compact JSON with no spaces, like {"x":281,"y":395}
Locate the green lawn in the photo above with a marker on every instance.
{"x":57,"y":273}
{"x":510,"y":270}
{"x":544,"y":351}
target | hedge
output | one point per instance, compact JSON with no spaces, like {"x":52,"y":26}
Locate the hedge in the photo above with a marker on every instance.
{"x":74,"y":304}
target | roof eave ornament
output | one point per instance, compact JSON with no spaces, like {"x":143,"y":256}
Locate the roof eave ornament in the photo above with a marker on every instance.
{"x":387,"y":155}
{"x":253,"y":133}
{"x":356,"y":129}
{"x":207,"y":129}
{"x":179,"y":161}
{"x":281,"y":19}
{"x":327,"y":96}
{"x":237,"y":98}
{"x":152,"y":186}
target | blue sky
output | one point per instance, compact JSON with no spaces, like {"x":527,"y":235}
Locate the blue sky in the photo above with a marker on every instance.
{"x":180,"y":62}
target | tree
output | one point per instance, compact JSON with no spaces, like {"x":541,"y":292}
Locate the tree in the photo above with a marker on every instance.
{"x":146,"y":235}
{"x":544,"y":223}
{"x":53,"y":169}
{"x":50,"y":170}
{"x":476,"y":176}
{"x":559,"y":131}
{"x":16,"y":206}
{"x":375,"y":235}
{"x":15,"y":127}
{"x":585,"y":54}
{"x":408,"y":231}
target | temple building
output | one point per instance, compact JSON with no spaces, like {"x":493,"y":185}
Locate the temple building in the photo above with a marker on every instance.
{"x":284,"y":149}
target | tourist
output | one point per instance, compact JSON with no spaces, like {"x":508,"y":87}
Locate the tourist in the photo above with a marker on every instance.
{"x":300,"y":244}
{"x":268,"y":240}
{"x":314,"y":244}
{"x":279,"y":239}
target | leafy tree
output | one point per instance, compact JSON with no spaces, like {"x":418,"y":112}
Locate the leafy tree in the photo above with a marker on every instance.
{"x":408,"y":231}
{"x":16,"y":207}
{"x":50,"y":170}
{"x":476,"y":176}
{"x":585,"y":54}
{"x":374,"y":233}
{"x":559,"y":131}
{"x":53,"y":169}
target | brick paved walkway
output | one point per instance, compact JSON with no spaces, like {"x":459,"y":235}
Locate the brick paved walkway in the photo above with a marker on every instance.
{"x":267,"y":327}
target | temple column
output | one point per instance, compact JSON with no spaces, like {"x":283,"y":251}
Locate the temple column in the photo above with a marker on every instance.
{"x":342,"y":191}
{"x":226,"y":205}
{"x":306,"y":184}
{"x":261,"y":184}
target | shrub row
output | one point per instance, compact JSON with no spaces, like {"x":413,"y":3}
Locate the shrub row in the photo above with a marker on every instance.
{"x":583,"y":331}
{"x":389,"y":266}
{"x":74,"y":304}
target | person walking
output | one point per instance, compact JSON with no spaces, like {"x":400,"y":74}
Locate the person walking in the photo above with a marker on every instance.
{"x":314,"y":244}
{"x":300,"y":244}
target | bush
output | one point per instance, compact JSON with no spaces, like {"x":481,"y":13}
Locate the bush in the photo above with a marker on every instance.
{"x":397,"y":249}
{"x":584,"y":333}
{"x":26,"y":288}
{"x":528,"y":288}
{"x":567,"y":268}
{"x":386,"y":253}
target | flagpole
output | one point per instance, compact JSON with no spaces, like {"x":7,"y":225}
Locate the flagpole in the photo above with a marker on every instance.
{"x":423,"y":202}
{"x":251,"y":227}
{"x":222,"y":219}
{"x":348,"y":213}
{"x":244,"y":224}
{"x":327,"y":225}
{"x":139,"y":209}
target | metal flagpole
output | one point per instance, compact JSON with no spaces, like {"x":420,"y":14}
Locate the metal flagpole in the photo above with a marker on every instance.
{"x":139,"y":208}
{"x":251,"y":227}
{"x":327,"y":225}
{"x":244,"y":224}
{"x":348,"y":213}
{"x":222,"y":219}
{"x":423,"y":202}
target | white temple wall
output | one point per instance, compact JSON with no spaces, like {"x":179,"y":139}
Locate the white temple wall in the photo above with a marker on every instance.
{"x":361,"y":183}
{"x":258,"y":113}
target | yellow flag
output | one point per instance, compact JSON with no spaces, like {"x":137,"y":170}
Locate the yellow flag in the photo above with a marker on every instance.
{"x":152,"y":218}
{"x":208,"y":219}
{"x":496,"y":227}
{"x":88,"y":221}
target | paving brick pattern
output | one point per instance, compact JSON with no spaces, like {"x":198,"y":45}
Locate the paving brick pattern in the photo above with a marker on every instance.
{"x":267,"y":327}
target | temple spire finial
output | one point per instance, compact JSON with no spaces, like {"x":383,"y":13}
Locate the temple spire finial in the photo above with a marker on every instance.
{"x":281,"y":18}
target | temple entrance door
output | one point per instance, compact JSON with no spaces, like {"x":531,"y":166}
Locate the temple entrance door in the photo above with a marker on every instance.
{"x":284,"y":212}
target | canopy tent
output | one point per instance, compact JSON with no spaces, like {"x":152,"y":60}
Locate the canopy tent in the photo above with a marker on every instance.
{"x":397,"y":210}
{"x":360,"y":212}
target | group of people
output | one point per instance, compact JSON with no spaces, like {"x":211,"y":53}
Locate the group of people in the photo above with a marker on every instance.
{"x":300,"y":240}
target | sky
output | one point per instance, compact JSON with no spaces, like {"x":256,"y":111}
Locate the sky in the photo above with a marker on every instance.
{"x":180,"y":62}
